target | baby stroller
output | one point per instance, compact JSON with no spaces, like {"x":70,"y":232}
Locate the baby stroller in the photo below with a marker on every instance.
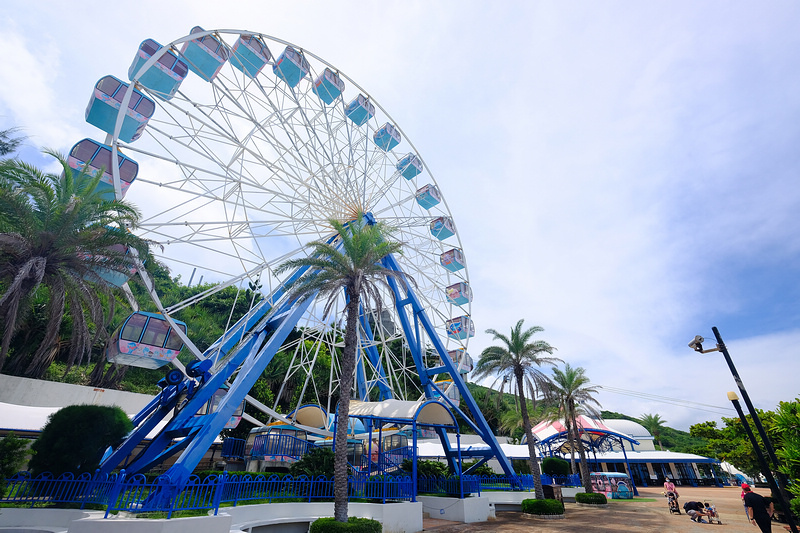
{"x":672,"y":501}
{"x":711,"y":511}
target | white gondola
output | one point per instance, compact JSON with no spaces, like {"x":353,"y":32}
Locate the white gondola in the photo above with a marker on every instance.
{"x":360,"y":110}
{"x":205,"y":55}
{"x":428,"y":196}
{"x":291,"y":66}
{"x":328,"y":86}
{"x":453,"y":260}
{"x":387,"y":137}
{"x":409,"y":166}
{"x":442,"y":228}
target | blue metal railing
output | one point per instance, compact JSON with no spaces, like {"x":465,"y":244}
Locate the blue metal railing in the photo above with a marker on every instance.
{"x":281,"y":445}
{"x":450,"y":486}
{"x":233,"y":448}
{"x":138,"y":494}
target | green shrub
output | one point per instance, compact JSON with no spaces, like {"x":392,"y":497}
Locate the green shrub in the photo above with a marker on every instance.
{"x":542,"y":507}
{"x":317,"y":462}
{"x":353,"y":525}
{"x":12,"y":456}
{"x":521,"y":466}
{"x":75,"y":437}
{"x":483,"y":470}
{"x":427,"y":468}
{"x":593,"y":498}
{"x":555,"y":466}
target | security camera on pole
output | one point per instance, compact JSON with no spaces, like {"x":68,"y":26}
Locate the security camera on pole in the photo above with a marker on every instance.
{"x":777,"y":488}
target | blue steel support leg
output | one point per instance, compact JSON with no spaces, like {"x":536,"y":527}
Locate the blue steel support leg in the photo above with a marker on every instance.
{"x":410,"y":299}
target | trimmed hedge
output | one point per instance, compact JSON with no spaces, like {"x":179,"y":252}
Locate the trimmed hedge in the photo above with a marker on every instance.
{"x":542,"y":507}
{"x":353,"y":525}
{"x":555,"y":466}
{"x":592,"y":498}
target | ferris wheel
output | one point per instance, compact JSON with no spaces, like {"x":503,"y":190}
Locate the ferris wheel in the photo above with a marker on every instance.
{"x":239,"y":148}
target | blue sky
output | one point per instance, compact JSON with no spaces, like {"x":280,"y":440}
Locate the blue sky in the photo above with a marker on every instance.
{"x":623,"y":174}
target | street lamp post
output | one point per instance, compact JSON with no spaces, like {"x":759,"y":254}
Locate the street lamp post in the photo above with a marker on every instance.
{"x":777,"y":488}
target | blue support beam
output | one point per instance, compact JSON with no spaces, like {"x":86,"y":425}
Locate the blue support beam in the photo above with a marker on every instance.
{"x":406,"y":294}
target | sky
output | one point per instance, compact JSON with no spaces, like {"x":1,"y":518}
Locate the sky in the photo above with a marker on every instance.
{"x":622,"y":174}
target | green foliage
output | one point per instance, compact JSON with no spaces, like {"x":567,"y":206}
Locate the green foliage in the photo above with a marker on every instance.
{"x":591,"y":498}
{"x":483,"y":470}
{"x":12,"y":456}
{"x":521,"y":466}
{"x":732,"y":444}
{"x":427,"y":468}
{"x":317,"y":462}
{"x":75,"y":437}
{"x":542,"y":506}
{"x":57,"y":230}
{"x":555,"y":466}
{"x":787,"y":427}
{"x":353,"y":525}
{"x":9,"y":141}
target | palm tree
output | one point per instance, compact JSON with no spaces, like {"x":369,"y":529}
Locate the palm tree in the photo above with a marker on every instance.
{"x":519,"y":358}
{"x":571,"y":390}
{"x":9,"y":143}
{"x":55,"y":233}
{"x":654,"y":424}
{"x":356,"y":270}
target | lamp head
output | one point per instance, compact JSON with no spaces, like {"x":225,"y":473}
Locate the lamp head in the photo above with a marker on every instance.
{"x":733,"y":397}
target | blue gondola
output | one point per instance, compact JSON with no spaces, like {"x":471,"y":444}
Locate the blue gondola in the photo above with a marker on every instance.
{"x":442,"y":228}
{"x":145,"y":340}
{"x":276,"y":447}
{"x":212,"y":404}
{"x":409,"y":166}
{"x":104,"y":105}
{"x":250,"y":54}
{"x":428,"y":196}
{"x":328,"y":86}
{"x":291,"y":66}
{"x":165,"y":76}
{"x":118,"y":275}
{"x":452,"y":260}
{"x":360,"y":110}
{"x":460,"y":327}
{"x":98,"y":156}
{"x":387,"y":137}
{"x":459,"y":293}
{"x":205,"y":55}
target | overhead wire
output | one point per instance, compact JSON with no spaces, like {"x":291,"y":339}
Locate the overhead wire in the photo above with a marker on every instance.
{"x":716,"y":409}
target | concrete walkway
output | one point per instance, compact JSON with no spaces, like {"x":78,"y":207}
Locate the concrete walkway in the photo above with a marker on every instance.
{"x":621,"y":516}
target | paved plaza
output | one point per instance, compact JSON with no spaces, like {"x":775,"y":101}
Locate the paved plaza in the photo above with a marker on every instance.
{"x":641,"y":517}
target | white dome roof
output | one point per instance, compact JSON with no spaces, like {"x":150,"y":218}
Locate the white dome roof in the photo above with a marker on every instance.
{"x":628,"y":427}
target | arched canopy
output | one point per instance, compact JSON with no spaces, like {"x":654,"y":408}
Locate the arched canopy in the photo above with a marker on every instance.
{"x":593,"y":432}
{"x":423,"y":412}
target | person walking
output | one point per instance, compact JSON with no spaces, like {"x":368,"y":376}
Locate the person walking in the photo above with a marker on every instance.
{"x":759,"y":509}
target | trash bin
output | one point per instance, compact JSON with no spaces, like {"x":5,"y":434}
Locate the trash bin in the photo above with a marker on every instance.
{"x":553,"y":492}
